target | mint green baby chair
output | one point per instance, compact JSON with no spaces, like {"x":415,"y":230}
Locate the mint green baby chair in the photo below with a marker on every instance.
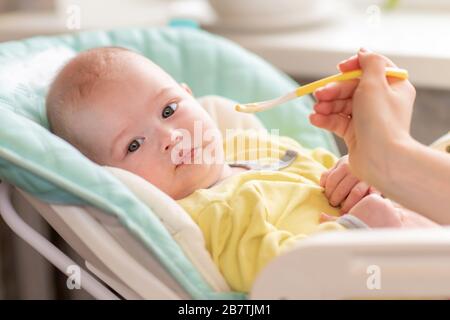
{"x":48,"y":169}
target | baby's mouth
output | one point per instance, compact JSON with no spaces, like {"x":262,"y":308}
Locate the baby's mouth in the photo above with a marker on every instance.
{"x":188,"y":156}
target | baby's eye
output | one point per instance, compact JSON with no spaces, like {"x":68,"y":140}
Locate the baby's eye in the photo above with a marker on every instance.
{"x":135,"y":144}
{"x":169,"y":110}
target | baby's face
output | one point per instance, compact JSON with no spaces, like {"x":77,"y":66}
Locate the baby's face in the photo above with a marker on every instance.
{"x":140,"y":122}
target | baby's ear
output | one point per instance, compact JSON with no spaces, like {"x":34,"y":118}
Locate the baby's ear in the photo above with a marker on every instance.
{"x":186,"y":87}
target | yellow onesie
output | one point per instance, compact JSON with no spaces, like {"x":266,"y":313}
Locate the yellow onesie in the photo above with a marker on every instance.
{"x":251,"y":217}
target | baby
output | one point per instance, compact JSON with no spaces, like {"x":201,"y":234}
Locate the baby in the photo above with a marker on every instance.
{"x":121,"y":110}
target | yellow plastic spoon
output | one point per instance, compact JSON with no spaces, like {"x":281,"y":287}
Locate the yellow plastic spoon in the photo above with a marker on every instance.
{"x":311,"y":87}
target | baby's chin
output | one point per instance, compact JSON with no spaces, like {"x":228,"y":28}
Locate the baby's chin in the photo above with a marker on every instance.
{"x":192,"y":177}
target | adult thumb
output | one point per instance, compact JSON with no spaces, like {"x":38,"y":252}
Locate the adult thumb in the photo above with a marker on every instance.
{"x":373,"y":67}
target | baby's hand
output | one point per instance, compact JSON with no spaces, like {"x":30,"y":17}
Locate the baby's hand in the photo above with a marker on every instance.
{"x":378,"y":212}
{"x":375,"y":212}
{"x":342,"y":188}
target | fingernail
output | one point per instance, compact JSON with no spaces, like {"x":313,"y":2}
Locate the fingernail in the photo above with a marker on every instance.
{"x":315,"y":94}
{"x":329,"y":85}
{"x":364,"y":50}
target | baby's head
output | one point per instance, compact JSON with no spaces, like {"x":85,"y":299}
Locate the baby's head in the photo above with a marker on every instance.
{"x":120,"y":109}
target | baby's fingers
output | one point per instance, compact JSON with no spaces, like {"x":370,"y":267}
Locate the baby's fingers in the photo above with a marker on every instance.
{"x":342,"y":190}
{"x":326,"y":217}
{"x":372,"y":190}
{"x":334,"y":178}
{"x":323,"y":178}
{"x":358,"y":192}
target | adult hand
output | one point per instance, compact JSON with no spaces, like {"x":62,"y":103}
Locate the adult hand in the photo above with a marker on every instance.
{"x":372,"y":114}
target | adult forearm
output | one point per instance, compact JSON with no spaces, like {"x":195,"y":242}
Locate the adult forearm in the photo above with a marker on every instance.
{"x":418,"y":178}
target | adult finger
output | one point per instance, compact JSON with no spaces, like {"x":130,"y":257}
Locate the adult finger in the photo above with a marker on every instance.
{"x":336,"y":90}
{"x":336,"y":123}
{"x":349,"y":64}
{"x":337,"y":106}
{"x":352,"y":63}
{"x":374,"y":69}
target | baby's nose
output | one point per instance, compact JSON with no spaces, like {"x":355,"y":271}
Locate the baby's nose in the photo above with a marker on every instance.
{"x":174,"y":138}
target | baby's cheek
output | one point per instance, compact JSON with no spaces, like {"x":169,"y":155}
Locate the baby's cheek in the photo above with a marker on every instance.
{"x":149,"y":168}
{"x":160,"y":178}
